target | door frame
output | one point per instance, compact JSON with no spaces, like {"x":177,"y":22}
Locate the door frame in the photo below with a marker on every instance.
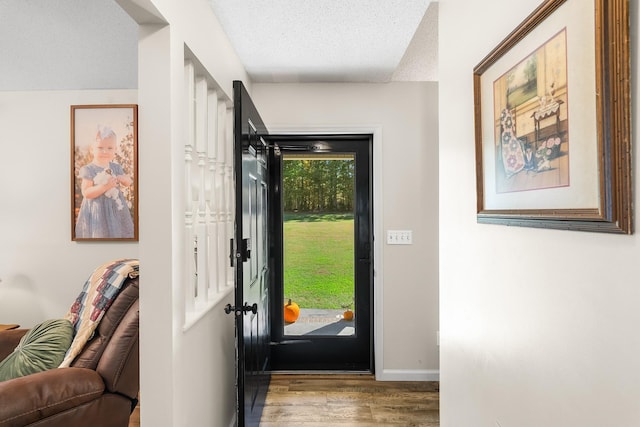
{"x":378,"y":231}
{"x":327,"y":352}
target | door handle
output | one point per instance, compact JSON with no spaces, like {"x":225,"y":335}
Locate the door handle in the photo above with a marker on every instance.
{"x":245,"y":251}
{"x":239,"y":311}
{"x":250,"y":308}
{"x":243,"y":254}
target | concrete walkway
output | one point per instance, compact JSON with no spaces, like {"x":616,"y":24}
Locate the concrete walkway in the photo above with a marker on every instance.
{"x":316,"y":321}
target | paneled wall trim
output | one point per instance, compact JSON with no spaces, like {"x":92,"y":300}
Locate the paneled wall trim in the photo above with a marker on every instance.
{"x":208,"y":198}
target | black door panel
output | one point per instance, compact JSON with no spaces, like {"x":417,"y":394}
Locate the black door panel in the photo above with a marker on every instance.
{"x":251,"y":259}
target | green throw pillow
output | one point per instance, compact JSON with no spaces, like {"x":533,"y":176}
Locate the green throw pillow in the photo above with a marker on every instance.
{"x":40,"y":349}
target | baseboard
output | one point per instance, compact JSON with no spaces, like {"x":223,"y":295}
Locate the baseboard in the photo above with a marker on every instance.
{"x":408,"y":375}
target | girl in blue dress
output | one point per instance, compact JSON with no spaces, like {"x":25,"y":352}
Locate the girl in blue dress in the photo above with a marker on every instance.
{"x":104,"y":213}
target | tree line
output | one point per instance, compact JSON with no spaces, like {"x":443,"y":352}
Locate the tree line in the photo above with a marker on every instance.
{"x":318,"y":185}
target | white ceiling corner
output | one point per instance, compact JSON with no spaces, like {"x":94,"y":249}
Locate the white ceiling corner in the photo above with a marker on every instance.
{"x":326,"y":40}
{"x":420,"y":60}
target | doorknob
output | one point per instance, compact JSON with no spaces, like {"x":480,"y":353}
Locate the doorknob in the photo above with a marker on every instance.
{"x":252,"y":308}
{"x":239,"y":311}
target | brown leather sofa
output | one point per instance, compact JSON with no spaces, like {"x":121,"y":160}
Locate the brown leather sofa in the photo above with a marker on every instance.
{"x":98,"y":390}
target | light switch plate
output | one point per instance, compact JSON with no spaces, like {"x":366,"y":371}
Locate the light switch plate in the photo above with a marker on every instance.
{"x":399,"y":237}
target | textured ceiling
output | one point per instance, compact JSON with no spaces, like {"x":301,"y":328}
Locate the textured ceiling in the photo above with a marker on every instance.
{"x":277,"y":40}
{"x":67,"y":44}
{"x":332,"y":40}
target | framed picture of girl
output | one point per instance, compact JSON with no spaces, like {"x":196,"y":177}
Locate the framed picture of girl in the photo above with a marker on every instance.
{"x":104,"y":172}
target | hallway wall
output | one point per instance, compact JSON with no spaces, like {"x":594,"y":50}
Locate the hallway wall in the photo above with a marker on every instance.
{"x":405,"y":176}
{"x":538,"y":327}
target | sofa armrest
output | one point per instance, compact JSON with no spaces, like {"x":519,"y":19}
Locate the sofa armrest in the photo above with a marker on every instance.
{"x":28,"y":399}
{"x":9,"y":341}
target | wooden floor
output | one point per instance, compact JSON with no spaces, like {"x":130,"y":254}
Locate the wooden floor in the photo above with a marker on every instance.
{"x":134,"y":421}
{"x":345,"y":400}
{"x":349,"y":400}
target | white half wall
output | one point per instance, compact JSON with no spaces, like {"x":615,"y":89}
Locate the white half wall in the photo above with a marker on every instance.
{"x":187,"y":376}
{"x":403,"y":119}
{"x":538,"y":327}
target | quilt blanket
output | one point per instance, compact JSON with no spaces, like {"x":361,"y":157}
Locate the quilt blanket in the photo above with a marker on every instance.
{"x":98,"y":293}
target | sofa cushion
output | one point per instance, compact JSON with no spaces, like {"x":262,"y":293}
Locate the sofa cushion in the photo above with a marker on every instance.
{"x":51,"y":397}
{"x":41,"y":349}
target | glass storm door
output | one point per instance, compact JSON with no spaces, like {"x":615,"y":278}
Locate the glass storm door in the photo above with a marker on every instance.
{"x":322,"y":210}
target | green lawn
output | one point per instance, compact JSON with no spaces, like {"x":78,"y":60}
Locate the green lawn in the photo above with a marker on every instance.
{"x":318,"y":260}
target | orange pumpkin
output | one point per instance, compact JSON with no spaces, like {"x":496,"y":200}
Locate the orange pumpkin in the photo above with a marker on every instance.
{"x":347,"y":315}
{"x":291,"y":312}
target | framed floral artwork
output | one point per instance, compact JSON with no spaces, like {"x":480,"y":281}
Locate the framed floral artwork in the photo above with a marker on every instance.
{"x":552,"y":121}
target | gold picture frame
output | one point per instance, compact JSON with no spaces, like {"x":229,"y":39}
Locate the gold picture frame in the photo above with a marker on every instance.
{"x":552,"y":121}
{"x":104,"y":172}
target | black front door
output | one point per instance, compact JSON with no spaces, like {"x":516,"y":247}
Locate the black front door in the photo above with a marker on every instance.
{"x":251,"y":259}
{"x":326,"y":339}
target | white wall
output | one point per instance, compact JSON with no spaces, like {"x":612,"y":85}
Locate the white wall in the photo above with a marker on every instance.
{"x":41,"y":269}
{"x":538,"y":327}
{"x":405,"y":194}
{"x":187,"y":376}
